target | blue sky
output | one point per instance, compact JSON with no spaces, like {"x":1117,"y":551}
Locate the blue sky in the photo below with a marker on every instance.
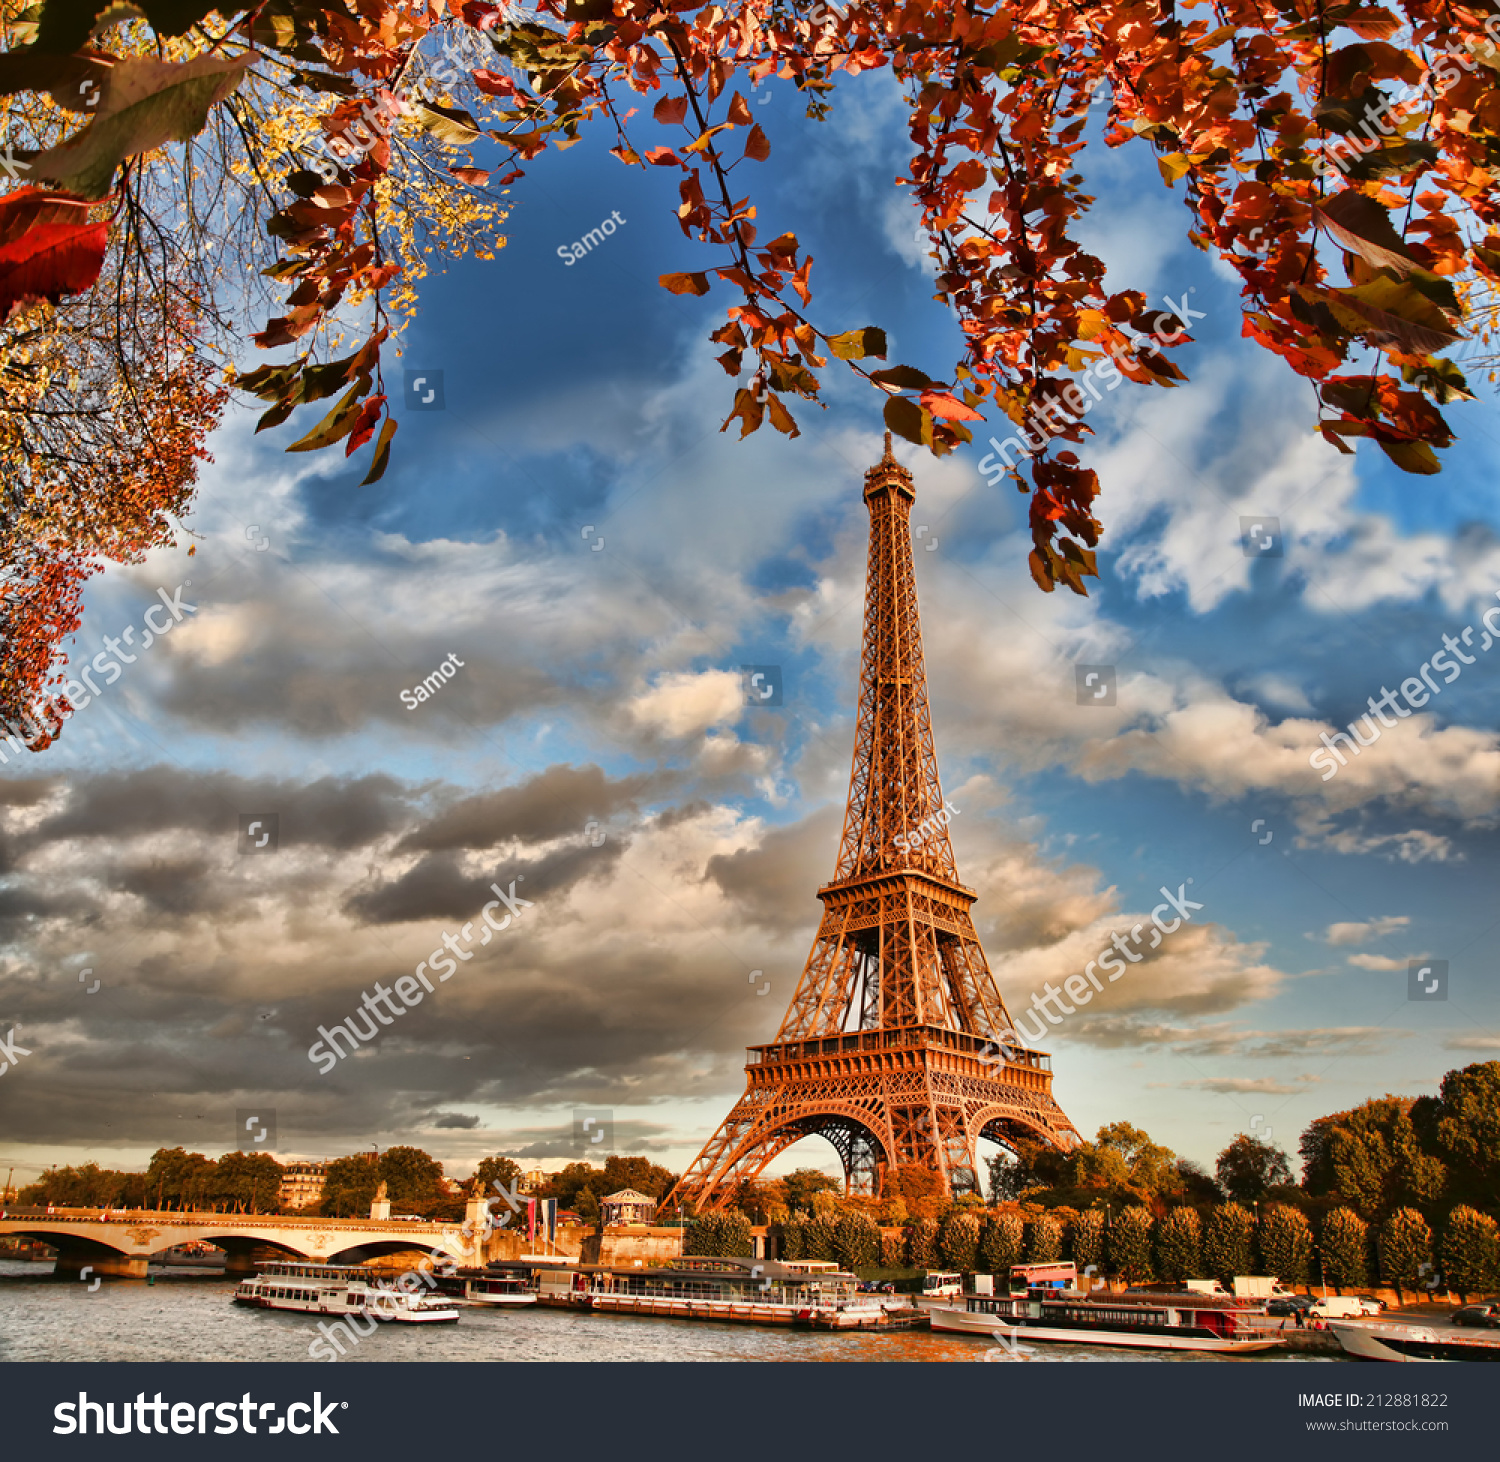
{"x":600,"y":686}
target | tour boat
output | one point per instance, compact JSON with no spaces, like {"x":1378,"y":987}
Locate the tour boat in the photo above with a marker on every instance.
{"x":1157,"y":1322}
{"x":335,"y":1289}
{"x":1392,"y":1340}
{"x":507,"y":1289}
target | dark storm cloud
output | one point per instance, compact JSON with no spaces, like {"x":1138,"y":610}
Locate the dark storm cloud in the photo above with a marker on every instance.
{"x":774,"y":881}
{"x":556,"y":803}
{"x":170,"y":886}
{"x":334,"y":812}
{"x":218,"y":970}
{"x":437,"y":888}
{"x":25,"y":792}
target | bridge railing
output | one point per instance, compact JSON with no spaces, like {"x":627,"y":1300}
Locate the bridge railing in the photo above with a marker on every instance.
{"x":199,"y":1218}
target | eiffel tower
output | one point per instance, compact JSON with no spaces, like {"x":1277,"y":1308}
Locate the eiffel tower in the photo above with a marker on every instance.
{"x":896,"y":1047}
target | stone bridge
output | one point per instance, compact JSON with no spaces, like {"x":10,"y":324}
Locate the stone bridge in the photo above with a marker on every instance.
{"x":121,"y":1242}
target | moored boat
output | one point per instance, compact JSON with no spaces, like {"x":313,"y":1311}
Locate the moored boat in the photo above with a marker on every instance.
{"x":1393,"y":1340}
{"x":500,"y":1289}
{"x":335,"y":1289}
{"x":1045,"y":1305}
{"x":1076,"y":1319}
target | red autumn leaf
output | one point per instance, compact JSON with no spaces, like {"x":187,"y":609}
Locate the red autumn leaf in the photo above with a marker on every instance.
{"x":695,"y":283}
{"x":475,"y":177}
{"x":670,"y":110}
{"x":364,"y":424}
{"x":48,"y":261}
{"x":757,"y":144}
{"x":950,"y":408}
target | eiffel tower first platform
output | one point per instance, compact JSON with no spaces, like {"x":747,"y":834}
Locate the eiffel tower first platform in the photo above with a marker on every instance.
{"x":889,"y":1048}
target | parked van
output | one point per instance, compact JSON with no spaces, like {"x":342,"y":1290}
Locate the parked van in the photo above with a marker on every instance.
{"x":1337,"y":1307}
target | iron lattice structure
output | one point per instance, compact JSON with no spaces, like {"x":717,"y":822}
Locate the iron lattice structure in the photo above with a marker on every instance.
{"x":889,"y":1047}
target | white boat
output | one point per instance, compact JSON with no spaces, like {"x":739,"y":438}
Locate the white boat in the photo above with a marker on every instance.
{"x":1393,"y":1340}
{"x":1189,"y":1323}
{"x":332,"y":1289}
{"x":506,"y":1289}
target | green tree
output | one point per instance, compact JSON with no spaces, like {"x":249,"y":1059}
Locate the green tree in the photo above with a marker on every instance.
{"x":1000,"y":1245}
{"x":349,"y":1186}
{"x":87,"y":1186}
{"x":856,"y":1241}
{"x":1228,"y":1242}
{"x":1344,"y":1246}
{"x":247,"y":1182}
{"x":1471,"y":1252}
{"x":791,"y":1236}
{"x":1405,"y":1247}
{"x":1197,"y":1186}
{"x":958,"y":1240}
{"x":803,"y":1184}
{"x":893,"y":1249}
{"x":413,"y":1181}
{"x":1285,"y":1243}
{"x":1248,"y":1168}
{"x":1468,"y":1131}
{"x":180,"y":1179}
{"x":1043,"y":1239}
{"x":1088,"y":1241}
{"x":1128,"y":1243}
{"x":911,"y":1183}
{"x":491,"y":1170}
{"x":1371,"y":1159}
{"x":639,"y":1173}
{"x":921,"y":1243}
{"x":721,"y":1234}
{"x":1179,"y":1245}
{"x":820,"y":1239}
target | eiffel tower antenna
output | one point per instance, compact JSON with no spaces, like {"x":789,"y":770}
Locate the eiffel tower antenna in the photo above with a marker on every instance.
{"x":896,"y":1046}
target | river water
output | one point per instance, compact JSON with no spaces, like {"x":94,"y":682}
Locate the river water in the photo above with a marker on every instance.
{"x":188,"y":1315}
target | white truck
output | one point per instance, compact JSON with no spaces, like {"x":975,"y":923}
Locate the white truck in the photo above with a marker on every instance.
{"x":1337,"y":1307}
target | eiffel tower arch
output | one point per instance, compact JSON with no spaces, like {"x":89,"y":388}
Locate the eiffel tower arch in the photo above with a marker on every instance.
{"x":896,"y":1047}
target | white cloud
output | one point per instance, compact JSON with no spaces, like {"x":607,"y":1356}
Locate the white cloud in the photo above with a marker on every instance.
{"x":1377,"y":962}
{"x":683,"y":703}
{"x":1350,"y":933}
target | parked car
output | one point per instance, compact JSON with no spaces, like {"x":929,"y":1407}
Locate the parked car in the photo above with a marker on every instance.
{"x":1486,"y":1315}
{"x":1370,"y":1306}
{"x":1290,"y":1304}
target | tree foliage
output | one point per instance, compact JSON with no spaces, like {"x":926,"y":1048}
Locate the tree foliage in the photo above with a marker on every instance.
{"x":724,"y":1233}
{"x":857,"y":1241}
{"x":1044,"y":1236}
{"x":1405,"y":1248}
{"x":1339,"y":161}
{"x":1128,"y":1244}
{"x":921,"y":1243}
{"x":1228,"y":1242}
{"x":1179,"y":1245}
{"x":958,"y":1240}
{"x":1248,"y":1168}
{"x":1285,"y":1241}
{"x":1371,"y":1158}
{"x":801,"y":1186}
{"x":1000,"y":1244}
{"x":491,"y":1170}
{"x":1344,"y":1246}
{"x":1088,"y":1240}
{"x":1471,"y":1252}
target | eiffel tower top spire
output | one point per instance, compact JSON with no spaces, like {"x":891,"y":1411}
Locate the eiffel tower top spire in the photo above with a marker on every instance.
{"x":895,"y":816}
